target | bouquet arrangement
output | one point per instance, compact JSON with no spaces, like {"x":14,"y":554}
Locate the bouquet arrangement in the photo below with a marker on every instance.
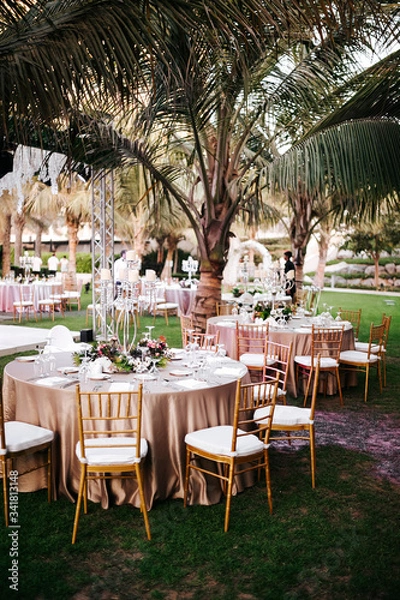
{"x":147,"y":352}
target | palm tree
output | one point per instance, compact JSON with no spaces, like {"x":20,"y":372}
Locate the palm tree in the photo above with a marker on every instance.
{"x":214,"y":85}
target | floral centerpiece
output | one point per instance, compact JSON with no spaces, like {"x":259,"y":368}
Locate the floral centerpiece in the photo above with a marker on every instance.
{"x":147,"y":353}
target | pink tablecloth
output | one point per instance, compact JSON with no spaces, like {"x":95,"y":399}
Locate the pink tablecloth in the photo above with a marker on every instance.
{"x":10,"y":292}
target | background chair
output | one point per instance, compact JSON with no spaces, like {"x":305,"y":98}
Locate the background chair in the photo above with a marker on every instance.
{"x":240,"y":447}
{"x":277,"y":358}
{"x":205,"y":341}
{"x":26,"y":303}
{"x":62,"y":340}
{"x":226,"y":308}
{"x":382,"y":350}
{"x":71,"y":295}
{"x":294,"y":419}
{"x":110,"y":444}
{"x":360,"y":361}
{"x":250,"y":343}
{"x":22,"y":439}
{"x":50,"y":305}
{"x":354,"y":317}
{"x":328,"y":343}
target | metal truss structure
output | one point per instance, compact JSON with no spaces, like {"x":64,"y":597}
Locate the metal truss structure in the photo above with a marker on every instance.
{"x":102,"y":253}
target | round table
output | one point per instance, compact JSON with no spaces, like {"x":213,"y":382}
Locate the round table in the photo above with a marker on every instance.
{"x":10,"y":292}
{"x":297,"y":331}
{"x":170,"y":410}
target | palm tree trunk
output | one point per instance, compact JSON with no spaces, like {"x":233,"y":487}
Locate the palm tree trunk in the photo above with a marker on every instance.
{"x":73,"y":241}
{"x":323,"y":246}
{"x":6,"y":259}
{"x":208,"y":294}
{"x":19,"y":224}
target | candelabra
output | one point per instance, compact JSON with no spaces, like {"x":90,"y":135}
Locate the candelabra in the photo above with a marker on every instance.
{"x":26,"y":263}
{"x":190,"y":266}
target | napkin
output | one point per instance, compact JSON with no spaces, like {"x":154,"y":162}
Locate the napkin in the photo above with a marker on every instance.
{"x":191,"y":384}
{"x":50,"y":381}
{"x":230,"y":371}
{"x":122,"y":386}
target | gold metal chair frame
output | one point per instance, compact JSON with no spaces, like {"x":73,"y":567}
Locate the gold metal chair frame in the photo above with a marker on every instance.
{"x":103,"y":419}
{"x":32,"y":448}
{"x":249,"y":397}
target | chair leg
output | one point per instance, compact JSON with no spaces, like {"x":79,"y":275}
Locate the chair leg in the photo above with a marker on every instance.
{"x":268,"y":480}
{"x":229,"y":497}
{"x":79,"y":502}
{"x":366,"y":383}
{"x":5,"y":489}
{"x":339,"y":386}
{"x":312,"y":457}
{"x":308,"y":386}
{"x":186,"y":486}
{"x":143,"y":501}
{"x":49,"y":475}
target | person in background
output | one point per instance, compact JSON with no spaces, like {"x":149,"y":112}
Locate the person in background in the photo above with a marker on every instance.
{"x":64,"y":263}
{"x":36,"y":264}
{"x":52,"y":264}
{"x":290,"y":274}
{"x":119,"y":266}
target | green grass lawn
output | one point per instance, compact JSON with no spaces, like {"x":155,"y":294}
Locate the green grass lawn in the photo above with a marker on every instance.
{"x":339,"y":541}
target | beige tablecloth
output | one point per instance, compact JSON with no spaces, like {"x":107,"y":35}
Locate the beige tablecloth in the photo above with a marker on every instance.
{"x":298,"y":332}
{"x":168,"y":414}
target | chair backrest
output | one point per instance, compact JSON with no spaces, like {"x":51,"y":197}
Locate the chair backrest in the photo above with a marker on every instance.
{"x":225,"y":308}
{"x":353,"y":316}
{"x":61,"y":337}
{"x":386,"y":320}
{"x":249,"y":398}
{"x":105,"y":415}
{"x":326,"y":341}
{"x":206,"y":341}
{"x":376,"y":339}
{"x":277,"y":362}
{"x":27,"y":292}
{"x":187,"y":326}
{"x":312,"y":300}
{"x":251,"y":337}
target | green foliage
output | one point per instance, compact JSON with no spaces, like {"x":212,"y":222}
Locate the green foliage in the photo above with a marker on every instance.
{"x":83,"y":262}
{"x":338,"y":541}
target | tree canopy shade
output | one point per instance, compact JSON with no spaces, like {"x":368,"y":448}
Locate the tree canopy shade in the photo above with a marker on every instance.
{"x":215,"y":99}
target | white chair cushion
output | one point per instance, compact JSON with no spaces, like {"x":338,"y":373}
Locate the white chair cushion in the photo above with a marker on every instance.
{"x":115,"y":453}
{"x":361,"y":358}
{"x":291,"y":415}
{"x":326,"y":362}
{"x":23,"y":436}
{"x":364,"y":346}
{"x":218,"y":440}
{"x":167,"y":306}
{"x":252,"y":360}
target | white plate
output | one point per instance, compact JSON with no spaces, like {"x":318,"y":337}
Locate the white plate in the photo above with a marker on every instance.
{"x":181,"y":372}
{"x":26,"y":358}
{"x":145,"y":376}
{"x":66,"y":370}
{"x":100,"y":376}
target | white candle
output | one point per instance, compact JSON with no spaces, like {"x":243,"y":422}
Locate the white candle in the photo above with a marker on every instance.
{"x":150,"y":275}
{"x":133,"y":275}
{"x":105,"y":274}
{"x":130,"y":255}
